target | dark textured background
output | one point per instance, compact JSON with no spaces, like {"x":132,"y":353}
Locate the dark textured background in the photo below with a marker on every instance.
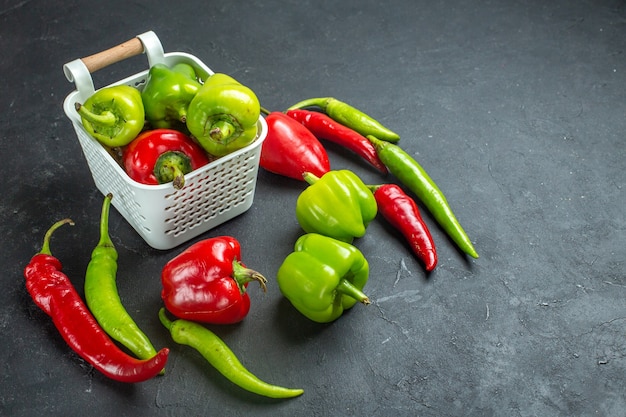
{"x":516,"y":108}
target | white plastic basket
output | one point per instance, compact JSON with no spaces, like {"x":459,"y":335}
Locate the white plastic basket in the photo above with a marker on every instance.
{"x":163,"y":216}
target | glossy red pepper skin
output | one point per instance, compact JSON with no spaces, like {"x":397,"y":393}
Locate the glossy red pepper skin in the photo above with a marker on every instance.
{"x":401,"y":211}
{"x":324,"y":127}
{"x":53,"y":292}
{"x":145,"y":154}
{"x":290,"y":149}
{"x":207,"y":282}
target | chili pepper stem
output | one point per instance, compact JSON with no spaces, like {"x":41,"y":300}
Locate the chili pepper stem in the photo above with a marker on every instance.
{"x":106,"y":118}
{"x":310,"y":178}
{"x":243,"y":275}
{"x":167,"y":323}
{"x":311,"y":102}
{"x":45,"y":248}
{"x":347,"y":288}
{"x":105,"y":238}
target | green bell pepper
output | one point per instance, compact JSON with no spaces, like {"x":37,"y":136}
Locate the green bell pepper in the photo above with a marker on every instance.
{"x":323,"y":277}
{"x":113,"y":115}
{"x":223,"y":115}
{"x":167,"y":94}
{"x":338,"y":205}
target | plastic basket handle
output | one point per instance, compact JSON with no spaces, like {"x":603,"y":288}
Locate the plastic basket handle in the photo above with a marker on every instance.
{"x":79,"y":71}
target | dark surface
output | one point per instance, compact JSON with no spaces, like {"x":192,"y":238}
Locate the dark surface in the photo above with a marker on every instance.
{"x":517,"y":109}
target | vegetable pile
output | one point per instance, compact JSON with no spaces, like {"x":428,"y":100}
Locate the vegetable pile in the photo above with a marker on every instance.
{"x":205,"y":283}
{"x":176,"y":124}
{"x":336,"y":207}
{"x":179,"y":123}
{"x":87,"y":335}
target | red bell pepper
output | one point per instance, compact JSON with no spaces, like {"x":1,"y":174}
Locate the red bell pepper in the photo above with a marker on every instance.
{"x":207,"y":282}
{"x":162,"y":155}
{"x":290,"y":149}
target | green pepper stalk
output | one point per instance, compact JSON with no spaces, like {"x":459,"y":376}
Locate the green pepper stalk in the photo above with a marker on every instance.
{"x":113,"y":115}
{"x":414,"y":177}
{"x":323,"y":277}
{"x":167,"y":94}
{"x":338,"y":205}
{"x":102,"y":297}
{"x":349,"y":116}
{"x":223,"y":115}
{"x":221,"y":357}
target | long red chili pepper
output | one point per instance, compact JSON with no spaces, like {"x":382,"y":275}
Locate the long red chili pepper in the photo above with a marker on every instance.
{"x":53,"y":292}
{"x":323,"y":127}
{"x":402,"y":212}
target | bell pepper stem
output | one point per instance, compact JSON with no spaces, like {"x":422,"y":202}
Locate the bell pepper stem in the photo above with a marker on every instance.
{"x":106,"y":118}
{"x":45,"y":249}
{"x":171,"y":166}
{"x":221,"y":131}
{"x":347,"y":288}
{"x":243,"y":275}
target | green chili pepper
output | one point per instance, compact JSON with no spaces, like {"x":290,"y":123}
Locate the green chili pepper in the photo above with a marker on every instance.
{"x":167,"y":94}
{"x":323,"y":277}
{"x":338,"y":205}
{"x":223,"y":115}
{"x":102,"y":296}
{"x":411,"y":174}
{"x":113,"y":115}
{"x":350,"y":117}
{"x":221,"y":357}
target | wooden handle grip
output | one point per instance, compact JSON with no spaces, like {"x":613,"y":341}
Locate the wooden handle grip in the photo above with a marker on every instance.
{"x":112,"y":55}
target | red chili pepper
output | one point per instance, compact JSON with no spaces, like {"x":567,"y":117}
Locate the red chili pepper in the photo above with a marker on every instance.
{"x":53,"y":292}
{"x":323,"y":127}
{"x":162,"y":155}
{"x":290,"y":149}
{"x":207,"y":282}
{"x":401,"y":211}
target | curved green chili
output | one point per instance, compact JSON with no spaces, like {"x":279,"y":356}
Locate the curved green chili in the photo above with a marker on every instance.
{"x":102,"y":297}
{"x":350,"y":117}
{"x":219,"y":355}
{"x":411,"y":174}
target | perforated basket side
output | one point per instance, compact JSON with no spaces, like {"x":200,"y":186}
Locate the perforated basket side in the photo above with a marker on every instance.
{"x":105,"y":173}
{"x":220,"y":193}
